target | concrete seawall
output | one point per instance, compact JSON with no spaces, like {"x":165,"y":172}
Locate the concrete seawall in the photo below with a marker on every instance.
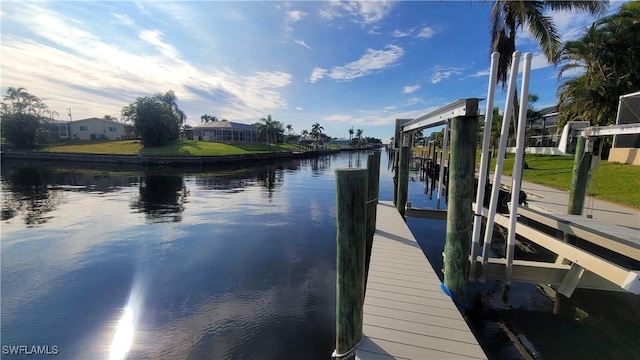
{"x":156,"y":160}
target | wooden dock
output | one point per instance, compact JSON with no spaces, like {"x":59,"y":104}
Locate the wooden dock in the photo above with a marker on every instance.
{"x":406,"y":313}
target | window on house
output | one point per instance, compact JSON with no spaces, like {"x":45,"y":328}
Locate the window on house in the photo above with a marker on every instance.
{"x":84,"y":128}
{"x":63,"y":131}
{"x":113,"y":129}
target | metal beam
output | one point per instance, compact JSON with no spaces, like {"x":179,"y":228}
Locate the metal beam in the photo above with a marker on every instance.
{"x":625,"y":278}
{"x":542,"y":273}
{"x":625,"y":129}
{"x":462,"y":107}
{"x":615,"y":238}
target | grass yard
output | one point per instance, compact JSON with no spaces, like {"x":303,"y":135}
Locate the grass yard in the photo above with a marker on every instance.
{"x":178,"y":148}
{"x":619,"y":183}
{"x":615,"y":182}
{"x":127,"y":147}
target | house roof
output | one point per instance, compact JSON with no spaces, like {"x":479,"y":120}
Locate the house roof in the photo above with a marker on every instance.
{"x":225,"y":125}
{"x":53,"y":121}
{"x":548,"y":111}
{"x":100,"y":119}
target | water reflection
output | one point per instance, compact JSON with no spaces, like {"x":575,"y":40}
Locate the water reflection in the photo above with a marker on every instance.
{"x":271,"y":178}
{"x":239,"y":262}
{"x":161,"y":197}
{"x":26,"y":191}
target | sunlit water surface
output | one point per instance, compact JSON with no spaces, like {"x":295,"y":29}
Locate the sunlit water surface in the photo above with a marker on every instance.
{"x":223,"y":263}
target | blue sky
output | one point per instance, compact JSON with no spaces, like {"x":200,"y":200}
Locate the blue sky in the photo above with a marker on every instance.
{"x":341,"y":64}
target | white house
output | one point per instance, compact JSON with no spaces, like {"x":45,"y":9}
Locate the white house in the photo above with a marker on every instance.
{"x":96,"y":129}
{"x":225,"y":131}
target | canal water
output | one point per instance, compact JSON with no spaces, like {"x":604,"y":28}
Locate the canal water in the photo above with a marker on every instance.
{"x":231,"y":263}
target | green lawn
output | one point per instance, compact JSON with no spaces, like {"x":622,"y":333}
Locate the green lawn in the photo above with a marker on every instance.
{"x":619,"y":183}
{"x":179,"y":148}
{"x":609,"y":181}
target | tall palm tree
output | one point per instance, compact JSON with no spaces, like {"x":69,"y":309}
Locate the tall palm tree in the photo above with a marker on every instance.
{"x":268,"y":127}
{"x":608,"y":55}
{"x":359,"y":136}
{"x":316,"y":133}
{"x":289,"y":128}
{"x":170,"y":99}
{"x":207,"y":118}
{"x":509,"y":16}
{"x":350,"y":134}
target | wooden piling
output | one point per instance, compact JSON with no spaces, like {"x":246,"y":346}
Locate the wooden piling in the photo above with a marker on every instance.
{"x":351,"y":201}
{"x":373,"y":187}
{"x":396,"y":153}
{"x":580,"y":177}
{"x":460,"y":198}
{"x":403,"y":180}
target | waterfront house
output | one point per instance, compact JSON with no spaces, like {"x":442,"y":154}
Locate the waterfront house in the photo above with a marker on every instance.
{"x":96,"y":129}
{"x":58,"y":130}
{"x":226,"y":131}
{"x":626,"y":148}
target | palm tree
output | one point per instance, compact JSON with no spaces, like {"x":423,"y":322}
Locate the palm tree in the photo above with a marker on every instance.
{"x":508,"y":16}
{"x":289,"y":128}
{"x":304,"y":133}
{"x":206,"y":118}
{"x":359,"y":137}
{"x":607,"y":54}
{"x":350,"y":134}
{"x":267,"y":126}
{"x":316,"y":133}
{"x":170,"y":99}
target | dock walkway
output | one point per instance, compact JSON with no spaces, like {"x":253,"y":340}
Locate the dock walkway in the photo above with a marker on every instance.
{"x":406,"y":313}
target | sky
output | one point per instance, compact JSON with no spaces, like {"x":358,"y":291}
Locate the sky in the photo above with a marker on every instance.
{"x":340,"y":64}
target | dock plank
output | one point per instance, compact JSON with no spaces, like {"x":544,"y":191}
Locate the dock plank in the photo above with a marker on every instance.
{"x":406,"y":314}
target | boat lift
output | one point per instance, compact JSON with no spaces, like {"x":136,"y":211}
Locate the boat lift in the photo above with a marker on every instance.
{"x":581,"y":268}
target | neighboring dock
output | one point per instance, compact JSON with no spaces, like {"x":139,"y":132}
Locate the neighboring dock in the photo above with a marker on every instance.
{"x":406,"y":313}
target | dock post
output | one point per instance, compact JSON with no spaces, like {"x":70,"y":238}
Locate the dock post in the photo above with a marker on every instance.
{"x":373,"y":187}
{"x":396,"y":156}
{"x":351,"y":204}
{"x":580,"y":178}
{"x":460,"y":198}
{"x":403,"y":177}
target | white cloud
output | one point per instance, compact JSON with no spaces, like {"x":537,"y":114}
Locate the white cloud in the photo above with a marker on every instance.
{"x":79,"y":70}
{"x":371,"y":61}
{"x":479,"y":73}
{"x":441,"y":73}
{"x":299,"y":108}
{"x":317,"y":74}
{"x":141,"y":8}
{"x":362,"y":12}
{"x":337,"y":118}
{"x":378,"y":117}
{"x":410,"y":89}
{"x":414,"y":101}
{"x":302,"y":43}
{"x":397,"y":33}
{"x":426,"y":32}
{"x":123,"y":18}
{"x":294,"y":16}
{"x":539,"y":61}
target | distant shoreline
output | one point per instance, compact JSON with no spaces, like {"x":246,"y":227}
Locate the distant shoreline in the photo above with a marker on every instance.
{"x":159,"y":160}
